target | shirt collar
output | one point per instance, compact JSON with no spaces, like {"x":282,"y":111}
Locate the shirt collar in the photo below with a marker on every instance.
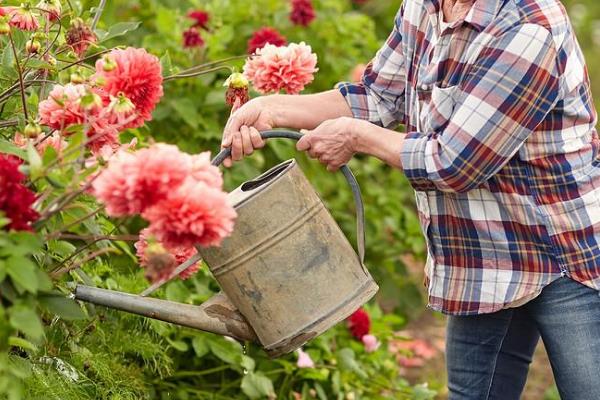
{"x":482,"y":12}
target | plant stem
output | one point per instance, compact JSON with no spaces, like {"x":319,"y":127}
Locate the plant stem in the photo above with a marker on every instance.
{"x":53,"y":235}
{"x":206,"y":71}
{"x":14,"y":49}
{"x":78,"y":264}
{"x":98,"y":13}
{"x":122,"y":238}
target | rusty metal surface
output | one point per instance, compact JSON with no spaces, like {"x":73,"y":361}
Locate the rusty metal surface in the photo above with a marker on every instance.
{"x":216,"y":315}
{"x":288,"y":267}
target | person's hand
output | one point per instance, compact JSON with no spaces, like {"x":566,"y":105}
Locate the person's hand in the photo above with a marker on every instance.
{"x":332,"y":142}
{"x":242,"y":130}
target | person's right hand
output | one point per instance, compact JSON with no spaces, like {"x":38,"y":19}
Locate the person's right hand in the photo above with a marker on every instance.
{"x":242,"y":130}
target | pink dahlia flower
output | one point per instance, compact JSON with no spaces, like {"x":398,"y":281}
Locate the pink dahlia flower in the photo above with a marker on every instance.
{"x":52,"y":7}
{"x":288,"y":68}
{"x":22,"y":18}
{"x":62,"y":108}
{"x":194,"y":213}
{"x":304,"y":360}
{"x":137,"y":75}
{"x":265,"y":36}
{"x":55,"y":141}
{"x":371,"y":343}
{"x":160,"y":261}
{"x":133,"y":182}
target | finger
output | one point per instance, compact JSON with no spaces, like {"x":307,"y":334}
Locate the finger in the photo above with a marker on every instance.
{"x":233,"y":125}
{"x":313,"y":154}
{"x":333,"y":167}
{"x":227,"y":162}
{"x":304,"y":143}
{"x":257,"y":141}
{"x":247,"y":147}
{"x":236,"y":147}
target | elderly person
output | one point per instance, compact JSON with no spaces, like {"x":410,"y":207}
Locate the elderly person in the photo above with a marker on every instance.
{"x":503,"y":155}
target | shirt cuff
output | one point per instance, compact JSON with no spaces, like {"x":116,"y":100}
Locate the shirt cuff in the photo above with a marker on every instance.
{"x":357,"y":97}
{"x":412,"y":158}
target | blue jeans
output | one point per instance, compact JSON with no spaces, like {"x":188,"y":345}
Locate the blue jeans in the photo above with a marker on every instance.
{"x":488,"y":355}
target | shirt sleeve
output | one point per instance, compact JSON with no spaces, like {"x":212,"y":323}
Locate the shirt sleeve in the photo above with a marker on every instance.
{"x":509,"y":91}
{"x":379,"y":97}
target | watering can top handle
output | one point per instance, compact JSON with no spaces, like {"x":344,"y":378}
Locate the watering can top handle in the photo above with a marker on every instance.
{"x":360,"y":210}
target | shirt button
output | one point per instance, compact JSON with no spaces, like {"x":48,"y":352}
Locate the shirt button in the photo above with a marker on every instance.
{"x":425,"y":87}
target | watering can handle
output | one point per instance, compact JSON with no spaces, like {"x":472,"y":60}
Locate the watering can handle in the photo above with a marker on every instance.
{"x":360,"y":210}
{"x":287,"y":134}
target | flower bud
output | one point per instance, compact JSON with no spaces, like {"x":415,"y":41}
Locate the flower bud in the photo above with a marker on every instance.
{"x":121,"y":105}
{"x":108,"y":63}
{"x":32,"y":46}
{"x":76,"y":78}
{"x":91,"y":100}
{"x":237,"y":89}
{"x":51,"y":60}
{"x":32,"y":130}
{"x":4,"y":26}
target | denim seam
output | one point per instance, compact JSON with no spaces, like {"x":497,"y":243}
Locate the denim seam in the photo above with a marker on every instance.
{"x":487,"y":396}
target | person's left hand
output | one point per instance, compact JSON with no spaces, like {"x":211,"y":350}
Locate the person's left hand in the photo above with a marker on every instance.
{"x":332,"y":142}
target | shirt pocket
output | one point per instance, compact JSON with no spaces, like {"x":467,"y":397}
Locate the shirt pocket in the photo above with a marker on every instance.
{"x":437,"y":105}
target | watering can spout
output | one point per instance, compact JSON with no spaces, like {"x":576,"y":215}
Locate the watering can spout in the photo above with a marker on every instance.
{"x":217,"y":315}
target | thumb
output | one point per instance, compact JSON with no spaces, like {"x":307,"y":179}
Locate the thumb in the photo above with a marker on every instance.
{"x":304,"y":142}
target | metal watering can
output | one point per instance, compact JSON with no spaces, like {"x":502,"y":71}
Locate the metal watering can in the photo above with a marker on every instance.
{"x":287,"y":272}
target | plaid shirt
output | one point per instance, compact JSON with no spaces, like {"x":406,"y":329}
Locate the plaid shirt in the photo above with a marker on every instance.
{"x":501,"y":147}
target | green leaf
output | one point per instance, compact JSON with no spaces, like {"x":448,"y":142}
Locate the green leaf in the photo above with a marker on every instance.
{"x":200,"y":346}
{"x":44,"y":282}
{"x":27,"y":321}
{"x":62,"y":306}
{"x":22,"y":271}
{"x":118,"y":29}
{"x":165,"y":63}
{"x":347,"y":360}
{"x":320,"y":392}
{"x":187,"y":110}
{"x":35,"y":161}
{"x":179,"y":345}
{"x":2,"y":270}
{"x":10,"y":148}
{"x":27,"y":241}
{"x":248,"y":363}
{"x":230,"y":352}
{"x":256,"y":385}
{"x":22,"y":343}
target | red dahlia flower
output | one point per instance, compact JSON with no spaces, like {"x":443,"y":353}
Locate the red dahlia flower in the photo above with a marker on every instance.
{"x":265,"y":36}
{"x":192,"y":38}
{"x":135,"y":74}
{"x":80,"y":36}
{"x":200,"y":18}
{"x":15,"y":199}
{"x":303,"y":12}
{"x":359,"y":323}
